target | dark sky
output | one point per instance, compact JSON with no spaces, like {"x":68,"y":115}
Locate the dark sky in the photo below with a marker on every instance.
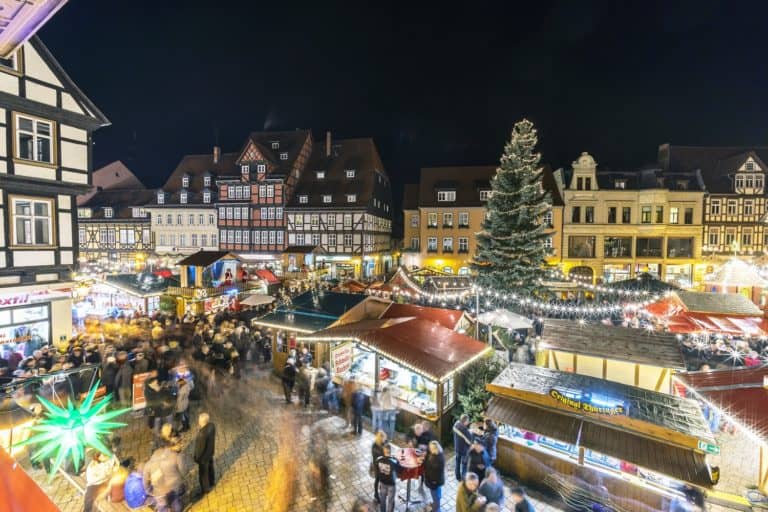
{"x":433,"y":85}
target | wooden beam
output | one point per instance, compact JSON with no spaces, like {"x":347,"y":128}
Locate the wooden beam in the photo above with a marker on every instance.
{"x":662,"y":376}
{"x":605,"y":369}
{"x":637,"y":375}
{"x":575,"y":362}
{"x":554,"y":359}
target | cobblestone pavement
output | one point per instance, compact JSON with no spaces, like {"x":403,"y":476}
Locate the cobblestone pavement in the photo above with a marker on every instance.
{"x":261,"y":445}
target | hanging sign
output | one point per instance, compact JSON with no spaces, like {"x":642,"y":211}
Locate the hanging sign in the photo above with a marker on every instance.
{"x":587,"y":405}
{"x":709,"y":448}
{"x":341,"y":358}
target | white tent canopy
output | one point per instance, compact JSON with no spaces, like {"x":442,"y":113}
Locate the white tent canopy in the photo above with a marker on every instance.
{"x":736,"y":272}
{"x":257,"y":300}
{"x":506,"y":319}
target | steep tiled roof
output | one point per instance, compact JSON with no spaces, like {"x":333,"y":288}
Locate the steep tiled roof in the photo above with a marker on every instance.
{"x":196,"y":166}
{"x":112,"y":175}
{"x":468,"y":182}
{"x":289,"y":142}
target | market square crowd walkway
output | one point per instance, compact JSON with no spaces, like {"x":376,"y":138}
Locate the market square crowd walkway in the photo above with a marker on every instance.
{"x":261,"y":445}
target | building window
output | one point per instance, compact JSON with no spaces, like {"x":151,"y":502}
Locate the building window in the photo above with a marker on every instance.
{"x":464,"y":219}
{"x":191,"y":219}
{"x":159,"y":220}
{"x":485,"y":195}
{"x":581,"y":246}
{"x":547,"y":219}
{"x":446,"y":196}
{"x":730,"y":236}
{"x":194,"y":240}
{"x":182,"y":240}
{"x":347,"y":240}
{"x":138,"y":213}
{"x":714,"y":237}
{"x":108,"y":212}
{"x":349,"y":173}
{"x":432,"y":244}
{"x":33,"y":221}
{"x":280,"y":235}
{"x":162,"y":239}
{"x":211,"y":219}
{"x":659,"y":215}
{"x":648,"y":247}
{"x":283,"y":156}
{"x":351,"y":198}
{"x":261,"y":168}
{"x":245,"y":169}
{"x":270,"y":191}
{"x":547,"y":242}
{"x":271,"y":237}
{"x":347,"y":220}
{"x":314,"y":220}
{"x":320,"y":175}
{"x":626,"y":215}
{"x":238,"y":236}
{"x":326,"y":199}
{"x":589,"y":214}
{"x":612,"y":215}
{"x":414,"y":220}
{"x":746,"y":238}
{"x":579,"y":183}
{"x":464,"y":244}
{"x":299,"y":238}
{"x":244,"y":213}
{"x":183,"y":198}
{"x":674,"y":215}
{"x":714,"y":207}
{"x":448,"y":220}
{"x":688,"y":216}
{"x":214,"y":241}
{"x":315,"y":239}
{"x":270,"y":213}
{"x":201,"y":219}
{"x":332,"y":239}
{"x":645,"y":215}
{"x":432,"y":220}
{"x":621,"y":184}
{"x":206,"y":181}
{"x":680,"y":247}
{"x":576,"y":214}
{"x":237,"y":213}
{"x":203,"y":240}
{"x":246,"y":236}
{"x":731,"y":207}
{"x":146,"y":236}
{"x":748,"y":207}
{"x":303,"y":199}
{"x":739,"y":181}
{"x":617,"y":247}
{"x":448,"y":244}
{"x":169,"y":219}
{"x":81,"y":236}
{"x":33,"y":139}
{"x":414,"y":244}
{"x":262,"y":191}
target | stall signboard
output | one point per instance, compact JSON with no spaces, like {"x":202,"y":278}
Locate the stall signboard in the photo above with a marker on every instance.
{"x":341,"y":358}
{"x":139,"y":400}
{"x":611,"y":409}
{"x":709,"y":448}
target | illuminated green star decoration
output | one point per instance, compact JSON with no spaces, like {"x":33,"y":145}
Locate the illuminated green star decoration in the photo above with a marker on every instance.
{"x":68,"y":431}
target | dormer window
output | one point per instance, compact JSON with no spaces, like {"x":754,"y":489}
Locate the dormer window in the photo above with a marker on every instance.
{"x":283,"y":156}
{"x":485,"y":195}
{"x":681,"y":185}
{"x":261,"y":168}
{"x":350,"y":173}
{"x":275,"y":144}
{"x":351,"y":198}
{"x":183,"y":198}
{"x":245,"y":170}
{"x":750,"y":166}
{"x":327,"y":199}
{"x":206,"y":181}
{"x":446,"y":196}
{"x":83,"y":213}
{"x":320,"y":175}
{"x":138,"y":213}
{"x":185,"y":181}
{"x":206,"y":197}
{"x":160,"y":198}
{"x":620,"y":184}
{"x":108,"y":213}
{"x":303,"y":199}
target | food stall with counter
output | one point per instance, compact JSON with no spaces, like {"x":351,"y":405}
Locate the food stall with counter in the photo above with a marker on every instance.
{"x":419,"y":359}
{"x":571,"y":431}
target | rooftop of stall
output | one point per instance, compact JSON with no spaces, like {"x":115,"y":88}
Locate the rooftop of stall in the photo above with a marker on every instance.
{"x":136,"y":285}
{"x":658,"y":432}
{"x":203,"y":268}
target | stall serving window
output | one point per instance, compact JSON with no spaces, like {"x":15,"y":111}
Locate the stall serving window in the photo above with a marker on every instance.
{"x":286,"y":341}
{"x":25,"y":329}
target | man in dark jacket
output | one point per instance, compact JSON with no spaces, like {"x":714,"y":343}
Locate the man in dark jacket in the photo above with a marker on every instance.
{"x":358,"y":406}
{"x":204,"y":449}
{"x":386,"y":469}
{"x":289,"y":379}
{"x":477,"y":458}
{"x":462,"y":439}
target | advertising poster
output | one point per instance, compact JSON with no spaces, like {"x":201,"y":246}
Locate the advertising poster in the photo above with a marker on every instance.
{"x":341,"y":358}
{"x":139,"y":401}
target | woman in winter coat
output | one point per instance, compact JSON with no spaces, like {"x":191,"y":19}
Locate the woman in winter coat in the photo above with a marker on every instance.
{"x":434,"y":473}
{"x":377,"y":450}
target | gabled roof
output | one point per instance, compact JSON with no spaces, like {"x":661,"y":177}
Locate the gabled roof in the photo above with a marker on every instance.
{"x":114,"y":175}
{"x":550,"y":185}
{"x":469,"y":181}
{"x":719,"y":303}
{"x":290,"y":142}
{"x":347,"y":154}
{"x":448,"y":318}
{"x":717,"y":164}
{"x":205,"y":258}
{"x":196,"y":167}
{"x":411,"y":196}
{"x":120,"y":200}
{"x":650,"y":178}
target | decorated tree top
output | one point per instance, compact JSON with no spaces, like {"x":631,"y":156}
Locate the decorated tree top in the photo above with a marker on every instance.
{"x":511,"y":247}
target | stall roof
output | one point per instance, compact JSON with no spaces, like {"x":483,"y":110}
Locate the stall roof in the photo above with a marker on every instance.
{"x":667,"y":411}
{"x":702,"y":302}
{"x":423,"y":345}
{"x":617,"y":343}
{"x":19,"y":486}
{"x":267,"y":275}
{"x":311,"y":311}
{"x":679,"y":463}
{"x":448,"y":318}
{"x":738,"y":392}
{"x":205,"y":258}
{"x":130,"y":283}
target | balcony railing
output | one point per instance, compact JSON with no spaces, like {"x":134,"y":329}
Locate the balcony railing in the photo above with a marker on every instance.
{"x":210,"y":291}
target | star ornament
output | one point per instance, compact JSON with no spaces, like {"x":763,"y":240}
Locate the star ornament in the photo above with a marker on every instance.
{"x":67,"y":431}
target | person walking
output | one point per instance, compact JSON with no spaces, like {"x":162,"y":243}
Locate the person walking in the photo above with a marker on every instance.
{"x":304,"y":384}
{"x":164,"y":477}
{"x":182,"y":404}
{"x":462,"y":439}
{"x":97,"y":475}
{"x":377,"y":450}
{"x":434,"y":473}
{"x":358,"y":406}
{"x":492,"y":488}
{"x":289,"y":379}
{"x":490,"y":438}
{"x":467,"y":497}
{"x":387,"y":468}
{"x":477,"y":458}
{"x":124,"y":379}
{"x":204,"y":450}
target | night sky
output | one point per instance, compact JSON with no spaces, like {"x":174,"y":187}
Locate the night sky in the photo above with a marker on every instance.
{"x":433,"y":86}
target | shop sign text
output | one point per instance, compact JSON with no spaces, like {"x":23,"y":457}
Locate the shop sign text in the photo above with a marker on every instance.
{"x":14,"y":300}
{"x":585,"y":406}
{"x":341,"y":358}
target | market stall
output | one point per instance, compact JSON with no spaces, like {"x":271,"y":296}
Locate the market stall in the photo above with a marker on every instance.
{"x":417,"y":358}
{"x":639,"y":447}
{"x":123,"y":294}
{"x":630,"y":356}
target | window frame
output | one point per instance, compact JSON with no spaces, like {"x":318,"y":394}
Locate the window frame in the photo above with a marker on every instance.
{"x":446,"y":196}
{"x":351,"y":198}
{"x":52,"y":220}
{"x":52,"y":137}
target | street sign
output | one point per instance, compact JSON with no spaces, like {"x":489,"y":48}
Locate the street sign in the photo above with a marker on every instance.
{"x":709,"y":448}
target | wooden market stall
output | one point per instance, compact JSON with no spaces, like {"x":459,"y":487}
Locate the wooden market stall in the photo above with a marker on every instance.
{"x":417,"y":357}
{"x":634,"y":357}
{"x":571,"y":431}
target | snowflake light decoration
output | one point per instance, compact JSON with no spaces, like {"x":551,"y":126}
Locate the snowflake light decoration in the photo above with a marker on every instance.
{"x":67,"y":432}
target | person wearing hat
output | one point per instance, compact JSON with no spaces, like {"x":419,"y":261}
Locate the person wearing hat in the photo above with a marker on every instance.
{"x":289,"y":379}
{"x":477,"y":458}
{"x":108,"y":373}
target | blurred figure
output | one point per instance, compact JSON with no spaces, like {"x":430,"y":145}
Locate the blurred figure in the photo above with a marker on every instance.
{"x":204,"y":450}
{"x":377,"y":450}
{"x":434,"y":473}
{"x":97,"y":475}
{"x":289,"y":379}
{"x":467,"y":498}
{"x":492,"y":487}
{"x":164,"y":478}
{"x":319,"y":474}
{"x":520,"y":500}
{"x":182,"y":404}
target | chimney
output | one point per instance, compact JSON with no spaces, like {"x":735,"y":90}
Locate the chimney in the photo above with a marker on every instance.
{"x":328,"y":143}
{"x":216,"y":154}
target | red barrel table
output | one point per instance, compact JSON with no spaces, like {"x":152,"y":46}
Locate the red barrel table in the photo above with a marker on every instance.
{"x":411,"y":460}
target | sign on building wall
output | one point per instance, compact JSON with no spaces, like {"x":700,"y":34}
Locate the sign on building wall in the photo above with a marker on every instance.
{"x":341,"y":358}
{"x":588,"y":405}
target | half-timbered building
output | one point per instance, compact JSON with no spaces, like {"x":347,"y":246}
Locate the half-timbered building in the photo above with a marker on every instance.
{"x":252,"y":200}
{"x":342,"y":209}
{"x":46,"y":124}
